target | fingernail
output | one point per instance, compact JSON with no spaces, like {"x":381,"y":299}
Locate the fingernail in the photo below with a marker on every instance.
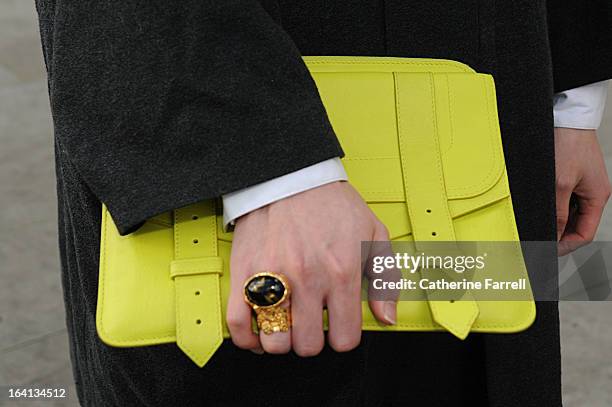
{"x":257,"y":351}
{"x":391,"y":312}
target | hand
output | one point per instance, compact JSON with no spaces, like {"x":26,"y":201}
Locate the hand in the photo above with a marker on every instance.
{"x":313,"y":238}
{"x":581,"y":172}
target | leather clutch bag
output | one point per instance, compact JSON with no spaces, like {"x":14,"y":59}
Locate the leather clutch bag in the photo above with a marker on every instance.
{"x":423,"y":148}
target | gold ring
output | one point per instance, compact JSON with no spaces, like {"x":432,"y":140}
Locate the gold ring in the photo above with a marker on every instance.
{"x":265,"y":292}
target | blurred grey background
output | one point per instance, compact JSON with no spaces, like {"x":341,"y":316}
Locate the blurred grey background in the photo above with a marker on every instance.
{"x":33,"y":340}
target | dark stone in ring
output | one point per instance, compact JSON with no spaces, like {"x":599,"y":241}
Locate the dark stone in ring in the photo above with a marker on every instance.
{"x":264,"y":290}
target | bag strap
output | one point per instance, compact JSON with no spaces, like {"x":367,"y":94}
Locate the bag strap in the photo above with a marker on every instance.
{"x":424,"y":185}
{"x":195,"y":270}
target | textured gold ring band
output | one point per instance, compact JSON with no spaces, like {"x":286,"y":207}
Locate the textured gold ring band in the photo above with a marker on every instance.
{"x":265,"y":292}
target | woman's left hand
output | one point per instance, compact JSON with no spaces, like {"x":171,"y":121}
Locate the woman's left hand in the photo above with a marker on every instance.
{"x":581,"y":172}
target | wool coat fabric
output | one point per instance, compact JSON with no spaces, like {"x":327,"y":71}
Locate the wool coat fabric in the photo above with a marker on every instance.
{"x":160,"y":104}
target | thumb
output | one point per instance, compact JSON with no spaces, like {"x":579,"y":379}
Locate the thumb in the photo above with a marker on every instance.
{"x":384,"y":311}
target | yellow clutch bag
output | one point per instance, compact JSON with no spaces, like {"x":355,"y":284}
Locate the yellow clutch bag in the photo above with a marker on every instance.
{"x":423,"y":148}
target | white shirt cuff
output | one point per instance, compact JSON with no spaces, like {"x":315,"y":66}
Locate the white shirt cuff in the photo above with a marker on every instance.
{"x":581,"y":108}
{"x":241,"y":202}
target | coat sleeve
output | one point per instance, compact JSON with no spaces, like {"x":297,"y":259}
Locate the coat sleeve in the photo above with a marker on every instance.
{"x":580,"y":35}
{"x":159,"y":104}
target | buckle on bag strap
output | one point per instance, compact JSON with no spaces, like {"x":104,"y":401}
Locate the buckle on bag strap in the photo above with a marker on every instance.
{"x":424,"y":186}
{"x":195,"y":270}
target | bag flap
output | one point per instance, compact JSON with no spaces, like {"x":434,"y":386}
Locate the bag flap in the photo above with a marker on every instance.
{"x":362,"y":107}
{"x":360,"y":97}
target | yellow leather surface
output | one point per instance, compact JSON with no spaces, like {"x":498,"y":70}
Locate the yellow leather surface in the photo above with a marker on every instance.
{"x":418,"y":134}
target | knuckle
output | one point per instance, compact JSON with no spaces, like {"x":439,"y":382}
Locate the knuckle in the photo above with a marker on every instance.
{"x":384,"y":231}
{"x":307,"y":279}
{"x":236,"y":324}
{"x":565,"y":184}
{"x":296,"y":264}
{"x":606,"y":192}
{"x":309,"y":286}
{"x":343,"y":276}
{"x":340,"y":270}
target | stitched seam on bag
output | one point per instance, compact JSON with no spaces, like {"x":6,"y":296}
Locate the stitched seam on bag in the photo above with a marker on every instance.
{"x":508,"y":213}
{"x":195,"y":354}
{"x":450,"y":113}
{"x":427,"y":326}
{"x":493,"y":146}
{"x":104,"y":228}
{"x":390,"y":63}
{"x":177,"y":287}
{"x":402,"y":146}
{"x":213,"y":231}
{"x":198,"y":271}
{"x":103,"y":291}
{"x":159,"y":222}
{"x":217,"y":288}
{"x":213,"y":242}
{"x":218,"y":333}
{"x":213,"y":349}
{"x":195,"y":272}
{"x":179,"y":324}
{"x":369,"y":158}
{"x":518,"y":253}
{"x":511,"y":220}
{"x":381,"y":191}
{"x":476,"y":325}
{"x":447,"y":222}
{"x":177,"y":245}
{"x":442,"y":184}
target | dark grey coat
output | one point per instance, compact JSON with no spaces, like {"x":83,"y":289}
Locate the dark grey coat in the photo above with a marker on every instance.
{"x":159,"y":104}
